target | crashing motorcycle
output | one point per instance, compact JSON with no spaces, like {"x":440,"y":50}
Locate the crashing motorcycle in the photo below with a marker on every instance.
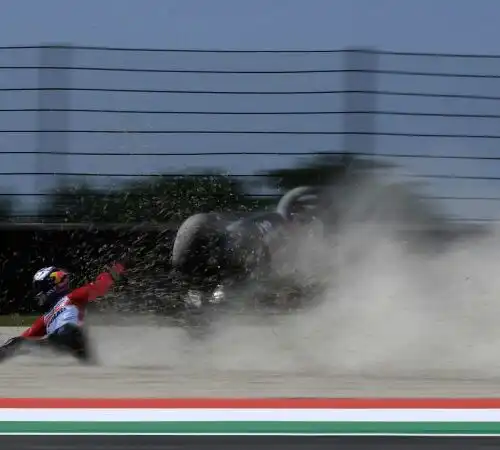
{"x":228,"y":263}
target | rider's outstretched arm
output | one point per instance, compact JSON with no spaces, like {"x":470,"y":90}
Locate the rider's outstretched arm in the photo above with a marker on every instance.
{"x":102,"y":284}
{"x":36,"y":332}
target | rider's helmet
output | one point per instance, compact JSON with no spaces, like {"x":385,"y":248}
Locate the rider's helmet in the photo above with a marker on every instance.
{"x":50,"y":284}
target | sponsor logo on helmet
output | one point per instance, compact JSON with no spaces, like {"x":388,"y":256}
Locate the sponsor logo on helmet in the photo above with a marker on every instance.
{"x":58,"y":276}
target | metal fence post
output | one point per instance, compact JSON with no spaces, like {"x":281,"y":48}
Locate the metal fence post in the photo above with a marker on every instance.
{"x":359,"y":112}
{"x":360,"y":100}
{"x":54,"y":82}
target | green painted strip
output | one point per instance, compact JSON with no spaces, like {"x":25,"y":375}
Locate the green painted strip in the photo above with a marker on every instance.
{"x":254,"y":427}
{"x":16,"y":320}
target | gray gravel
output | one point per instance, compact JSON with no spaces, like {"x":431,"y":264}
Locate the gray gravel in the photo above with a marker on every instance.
{"x":159,"y":361}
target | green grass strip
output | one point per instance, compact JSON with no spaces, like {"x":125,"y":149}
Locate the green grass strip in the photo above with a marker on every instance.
{"x":16,"y":320}
{"x":382,"y":428}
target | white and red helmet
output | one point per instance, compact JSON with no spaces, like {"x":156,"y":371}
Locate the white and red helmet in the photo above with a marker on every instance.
{"x":50,"y":282}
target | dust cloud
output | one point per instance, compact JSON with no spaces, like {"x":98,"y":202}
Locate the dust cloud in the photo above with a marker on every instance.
{"x":391,"y":309}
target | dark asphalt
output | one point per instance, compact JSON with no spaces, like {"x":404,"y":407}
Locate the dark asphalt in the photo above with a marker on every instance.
{"x":245,"y":443}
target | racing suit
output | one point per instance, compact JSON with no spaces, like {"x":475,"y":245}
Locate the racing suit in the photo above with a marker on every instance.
{"x":61,"y":327}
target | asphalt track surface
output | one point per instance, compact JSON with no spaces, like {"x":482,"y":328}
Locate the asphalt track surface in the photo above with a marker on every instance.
{"x":244,"y":443}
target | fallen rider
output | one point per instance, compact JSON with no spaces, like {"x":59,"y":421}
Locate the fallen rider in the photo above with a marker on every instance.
{"x":61,"y":327}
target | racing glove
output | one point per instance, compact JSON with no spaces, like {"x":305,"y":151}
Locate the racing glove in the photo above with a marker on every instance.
{"x":117,"y":271}
{"x":10,"y":346}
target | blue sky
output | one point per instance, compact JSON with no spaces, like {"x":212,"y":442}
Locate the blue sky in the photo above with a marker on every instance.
{"x":455,"y":26}
{"x":426,"y":25}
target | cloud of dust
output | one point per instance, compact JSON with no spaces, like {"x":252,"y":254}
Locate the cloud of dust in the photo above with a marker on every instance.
{"x":388,"y":311}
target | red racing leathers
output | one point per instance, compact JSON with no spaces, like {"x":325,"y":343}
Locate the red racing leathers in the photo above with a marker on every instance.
{"x":76,"y":301}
